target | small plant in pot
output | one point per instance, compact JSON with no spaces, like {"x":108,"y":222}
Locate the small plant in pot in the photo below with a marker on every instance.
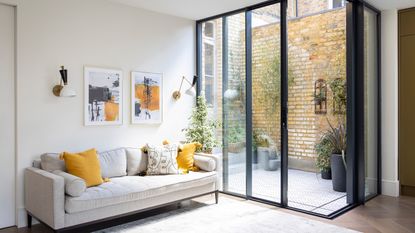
{"x":266,"y":151}
{"x":338,"y":141}
{"x":236,"y":138}
{"x":323,"y":149}
{"x":202,"y":129}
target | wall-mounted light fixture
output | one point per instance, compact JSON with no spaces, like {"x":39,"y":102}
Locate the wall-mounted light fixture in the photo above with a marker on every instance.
{"x":191,"y":91}
{"x":62,"y":90}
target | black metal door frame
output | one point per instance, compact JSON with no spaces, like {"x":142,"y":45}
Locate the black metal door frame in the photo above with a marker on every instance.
{"x":355,"y":100}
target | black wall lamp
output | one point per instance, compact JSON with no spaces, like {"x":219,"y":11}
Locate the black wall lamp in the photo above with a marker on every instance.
{"x":62,"y":90}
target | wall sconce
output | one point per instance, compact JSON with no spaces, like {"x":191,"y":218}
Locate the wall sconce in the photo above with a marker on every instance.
{"x":62,"y":90}
{"x":191,"y":91}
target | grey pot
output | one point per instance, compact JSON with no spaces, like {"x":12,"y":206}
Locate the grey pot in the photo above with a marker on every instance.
{"x":338,"y":173}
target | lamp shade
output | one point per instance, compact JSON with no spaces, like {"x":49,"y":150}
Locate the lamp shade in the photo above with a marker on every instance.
{"x":67,"y":92}
{"x":191,"y":91}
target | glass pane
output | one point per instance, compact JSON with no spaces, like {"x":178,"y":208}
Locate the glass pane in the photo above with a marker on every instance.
{"x":298,"y":8}
{"x":266,"y":91}
{"x":371,"y":102}
{"x":234,"y":121}
{"x":316,"y":100}
{"x":209,"y":90}
{"x":209,"y":58}
{"x":211,"y":76}
{"x":208,"y":29}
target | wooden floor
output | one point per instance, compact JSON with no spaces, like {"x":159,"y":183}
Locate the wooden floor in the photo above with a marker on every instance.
{"x":381,"y":214}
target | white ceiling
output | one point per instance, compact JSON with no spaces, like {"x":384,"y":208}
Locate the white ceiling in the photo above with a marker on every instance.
{"x":392,"y":4}
{"x":190,"y":9}
{"x":199,"y":9}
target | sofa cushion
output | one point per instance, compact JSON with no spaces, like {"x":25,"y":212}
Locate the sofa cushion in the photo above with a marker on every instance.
{"x":113,"y":163}
{"x":84,"y":165}
{"x":185,"y":159}
{"x":162,"y":160}
{"x":136,"y":161}
{"x":51,"y":162}
{"x":74,"y":186}
{"x":132,"y":188}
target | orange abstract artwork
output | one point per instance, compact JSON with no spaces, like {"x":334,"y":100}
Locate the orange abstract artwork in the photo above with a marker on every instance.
{"x":111,"y":111}
{"x":153,"y":103}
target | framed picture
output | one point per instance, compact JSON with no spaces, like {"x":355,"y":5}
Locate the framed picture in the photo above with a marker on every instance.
{"x":146,"y":98}
{"x":103,"y":96}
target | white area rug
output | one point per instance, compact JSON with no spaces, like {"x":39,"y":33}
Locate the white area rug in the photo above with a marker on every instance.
{"x":226,"y":217}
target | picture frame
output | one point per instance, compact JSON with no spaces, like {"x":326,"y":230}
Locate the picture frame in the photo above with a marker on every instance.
{"x":103,"y":102}
{"x":146,"y":97}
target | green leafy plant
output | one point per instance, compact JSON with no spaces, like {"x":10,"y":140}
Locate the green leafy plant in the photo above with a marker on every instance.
{"x":337,"y":139}
{"x":338,"y":87}
{"x":324,"y":150}
{"x":271,"y":84}
{"x":202,"y":129}
{"x":262,"y":140}
{"x":236,"y":133}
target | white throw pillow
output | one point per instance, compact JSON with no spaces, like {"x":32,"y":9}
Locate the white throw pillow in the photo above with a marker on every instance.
{"x":205,"y":163}
{"x":113,"y":163}
{"x":136,"y":161}
{"x":162,"y":160}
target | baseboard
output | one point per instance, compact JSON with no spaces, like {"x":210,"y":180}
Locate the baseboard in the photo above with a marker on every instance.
{"x":390,"y":188}
{"x":22,"y":218}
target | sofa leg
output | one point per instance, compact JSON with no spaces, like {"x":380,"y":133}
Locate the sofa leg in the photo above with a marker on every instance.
{"x":217,"y":197}
{"x":29,"y":221}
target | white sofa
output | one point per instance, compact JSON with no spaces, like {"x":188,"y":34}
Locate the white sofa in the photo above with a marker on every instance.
{"x":62,"y":201}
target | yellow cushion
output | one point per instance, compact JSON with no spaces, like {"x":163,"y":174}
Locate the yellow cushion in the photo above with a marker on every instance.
{"x":185,"y":159}
{"x":84,"y":165}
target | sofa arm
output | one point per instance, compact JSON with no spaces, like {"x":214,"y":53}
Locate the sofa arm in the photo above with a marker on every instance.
{"x":45,"y":196}
{"x":218,"y":167}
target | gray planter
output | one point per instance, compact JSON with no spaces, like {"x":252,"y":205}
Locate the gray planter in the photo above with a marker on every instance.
{"x":268,"y":159}
{"x":338,"y":173}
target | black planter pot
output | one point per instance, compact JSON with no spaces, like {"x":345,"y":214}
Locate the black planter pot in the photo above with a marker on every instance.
{"x":326,"y":174}
{"x":255,"y":157}
{"x":338,"y":172}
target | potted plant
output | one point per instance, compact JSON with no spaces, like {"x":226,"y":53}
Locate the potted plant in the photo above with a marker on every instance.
{"x":323,"y":149}
{"x":266,"y":151}
{"x":236,"y":138}
{"x":202,"y":129}
{"x":338,"y":141}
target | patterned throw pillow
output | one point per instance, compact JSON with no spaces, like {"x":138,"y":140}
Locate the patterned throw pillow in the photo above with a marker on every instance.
{"x":162,"y":160}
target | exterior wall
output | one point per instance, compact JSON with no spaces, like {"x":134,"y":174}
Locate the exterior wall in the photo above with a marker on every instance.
{"x":316,"y":44}
{"x":316,"y":51}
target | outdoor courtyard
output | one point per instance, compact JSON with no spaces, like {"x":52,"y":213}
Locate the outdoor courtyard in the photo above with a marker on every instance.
{"x":306,"y":190}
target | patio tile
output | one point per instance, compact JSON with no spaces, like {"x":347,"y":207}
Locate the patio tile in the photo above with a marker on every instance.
{"x":306,"y":190}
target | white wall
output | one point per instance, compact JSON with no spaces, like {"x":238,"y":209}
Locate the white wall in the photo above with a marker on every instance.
{"x":98,"y":33}
{"x":389,"y":50}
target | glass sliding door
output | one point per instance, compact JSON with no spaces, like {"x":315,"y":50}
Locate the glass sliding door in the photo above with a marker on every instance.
{"x":371,"y":102}
{"x":293,"y":84}
{"x":266,"y":91}
{"x":316,"y":107}
{"x":234,"y":104}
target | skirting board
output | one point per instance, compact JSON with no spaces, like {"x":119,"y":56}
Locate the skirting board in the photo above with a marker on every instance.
{"x":390,"y":188}
{"x":22,"y":218}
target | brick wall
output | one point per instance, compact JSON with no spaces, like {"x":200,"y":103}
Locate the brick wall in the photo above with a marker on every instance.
{"x":316,"y":51}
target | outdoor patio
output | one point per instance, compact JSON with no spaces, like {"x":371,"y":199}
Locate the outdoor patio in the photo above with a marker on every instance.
{"x":306,"y":190}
